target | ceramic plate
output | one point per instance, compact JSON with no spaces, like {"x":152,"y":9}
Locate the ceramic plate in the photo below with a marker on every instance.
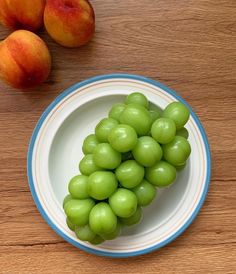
{"x":55,"y":151}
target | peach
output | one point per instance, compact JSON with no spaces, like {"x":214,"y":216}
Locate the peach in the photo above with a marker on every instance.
{"x":71,"y":23}
{"x":25,"y":59}
{"x":22,"y":14}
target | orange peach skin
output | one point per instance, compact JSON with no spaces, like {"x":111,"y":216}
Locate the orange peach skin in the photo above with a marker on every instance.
{"x":71,"y":23}
{"x":22,"y":14}
{"x":25,"y":60}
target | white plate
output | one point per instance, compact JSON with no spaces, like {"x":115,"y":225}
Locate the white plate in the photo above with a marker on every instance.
{"x":55,"y":151}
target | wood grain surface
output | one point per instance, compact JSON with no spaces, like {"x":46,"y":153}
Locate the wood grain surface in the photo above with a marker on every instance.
{"x":188,"y":45}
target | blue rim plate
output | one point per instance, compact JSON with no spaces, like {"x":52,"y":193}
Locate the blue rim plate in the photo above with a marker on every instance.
{"x":30,"y":157}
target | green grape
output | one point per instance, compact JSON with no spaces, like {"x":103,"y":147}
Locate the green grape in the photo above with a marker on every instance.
{"x":163,"y":130}
{"x":178,"y":112}
{"x":114,"y":234}
{"x":106,"y":157}
{"x":161,"y":174}
{"x":130,"y":174}
{"x":180,"y":167}
{"x":154,"y":114}
{"x":123,"y":202}
{"x":137,"y":98}
{"x":78,"y":211}
{"x":156,"y":109}
{"x":102,"y":184}
{"x":145,"y":193}
{"x":116,"y":111}
{"x":147,"y":151}
{"x":126,"y":156}
{"x":102,"y":220}
{"x":89,"y":144}
{"x":123,"y":138}
{"x":67,"y":199}
{"x":97,"y":240}
{"x":137,"y":117}
{"x":87,"y":165}
{"x":78,"y":187}
{"x":183,"y":132}
{"x":177,"y":151}
{"x":84,"y":233}
{"x":134,"y":219}
{"x":103,"y":129}
{"x":70,"y":224}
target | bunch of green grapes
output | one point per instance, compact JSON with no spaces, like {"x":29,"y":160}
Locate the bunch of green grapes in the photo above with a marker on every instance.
{"x":132,"y":153}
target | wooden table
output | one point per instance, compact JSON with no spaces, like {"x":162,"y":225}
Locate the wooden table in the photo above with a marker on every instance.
{"x":188,"y":45}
